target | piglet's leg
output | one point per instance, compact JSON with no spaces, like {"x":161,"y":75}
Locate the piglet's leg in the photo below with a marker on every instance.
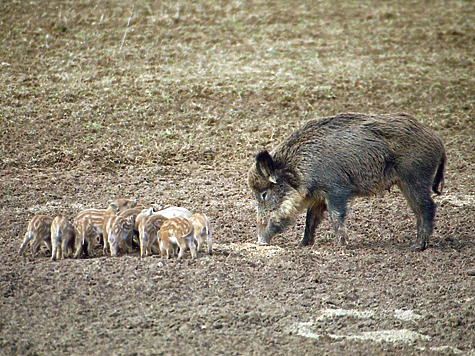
{"x":191,"y":245}
{"x":182,"y":252}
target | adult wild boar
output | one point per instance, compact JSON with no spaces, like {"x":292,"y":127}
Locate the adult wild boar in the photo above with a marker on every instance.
{"x":328,"y":161}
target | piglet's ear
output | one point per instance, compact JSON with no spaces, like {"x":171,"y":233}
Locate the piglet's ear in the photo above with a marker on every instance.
{"x":265,"y":166}
{"x":114,"y":207}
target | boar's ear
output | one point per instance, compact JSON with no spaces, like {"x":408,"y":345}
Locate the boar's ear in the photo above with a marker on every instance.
{"x":114,"y":207}
{"x":265,"y":166}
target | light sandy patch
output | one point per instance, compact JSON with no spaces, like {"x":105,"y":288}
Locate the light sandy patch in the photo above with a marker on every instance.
{"x":332,"y":313}
{"x":406,"y":315}
{"x":448,"y":349}
{"x":305,"y":330}
{"x":309,"y":329}
{"x":459,"y":200}
{"x":253,"y":249}
{"x":395,"y":335}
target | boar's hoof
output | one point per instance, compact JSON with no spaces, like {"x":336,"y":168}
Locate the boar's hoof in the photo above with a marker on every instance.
{"x":262,"y":243}
{"x":418,"y":247}
{"x":343,"y":241}
{"x":305,"y":242}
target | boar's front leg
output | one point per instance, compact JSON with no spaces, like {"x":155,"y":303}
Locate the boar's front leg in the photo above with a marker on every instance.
{"x":313,"y":219}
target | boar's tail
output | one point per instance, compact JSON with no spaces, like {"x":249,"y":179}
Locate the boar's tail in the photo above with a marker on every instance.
{"x":438,"y":183}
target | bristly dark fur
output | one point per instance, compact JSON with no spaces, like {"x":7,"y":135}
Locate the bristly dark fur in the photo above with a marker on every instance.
{"x":328,"y":161}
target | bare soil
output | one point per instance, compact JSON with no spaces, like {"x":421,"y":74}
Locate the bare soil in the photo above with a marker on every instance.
{"x":169,"y":102}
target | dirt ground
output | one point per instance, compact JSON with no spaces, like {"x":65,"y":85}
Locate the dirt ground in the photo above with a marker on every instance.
{"x":169,"y":102}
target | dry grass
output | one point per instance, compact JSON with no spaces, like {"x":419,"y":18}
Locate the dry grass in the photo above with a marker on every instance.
{"x":135,"y":79}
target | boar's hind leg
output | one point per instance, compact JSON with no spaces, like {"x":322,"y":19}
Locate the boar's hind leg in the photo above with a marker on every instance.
{"x":337,"y":210}
{"x":313,"y":219}
{"x":421,"y":203}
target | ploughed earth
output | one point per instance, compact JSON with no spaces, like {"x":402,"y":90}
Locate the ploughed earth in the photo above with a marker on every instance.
{"x":169,"y":103}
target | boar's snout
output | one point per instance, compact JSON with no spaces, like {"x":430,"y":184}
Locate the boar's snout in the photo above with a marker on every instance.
{"x":262,"y":240}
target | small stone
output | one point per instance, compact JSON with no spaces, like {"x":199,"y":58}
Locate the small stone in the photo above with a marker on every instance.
{"x":316,"y":278}
{"x":114,"y":314}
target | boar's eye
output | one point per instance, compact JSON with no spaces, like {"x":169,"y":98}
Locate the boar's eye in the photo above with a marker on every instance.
{"x":264,"y":195}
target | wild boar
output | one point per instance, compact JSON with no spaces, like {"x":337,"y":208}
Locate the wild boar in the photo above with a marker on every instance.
{"x":148,"y":228}
{"x":86,"y":237}
{"x":170,"y":212}
{"x":100,"y":217}
{"x":120,"y":232}
{"x":174,"y":212}
{"x":202,"y":231}
{"x":112,"y":210}
{"x":95,"y":216}
{"x":177,"y":232}
{"x":38,"y":231}
{"x":63,"y":238}
{"x":328,"y":161}
{"x":133,"y":213}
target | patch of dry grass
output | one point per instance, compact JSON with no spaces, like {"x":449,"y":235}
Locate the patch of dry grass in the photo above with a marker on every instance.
{"x":142,"y":83}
